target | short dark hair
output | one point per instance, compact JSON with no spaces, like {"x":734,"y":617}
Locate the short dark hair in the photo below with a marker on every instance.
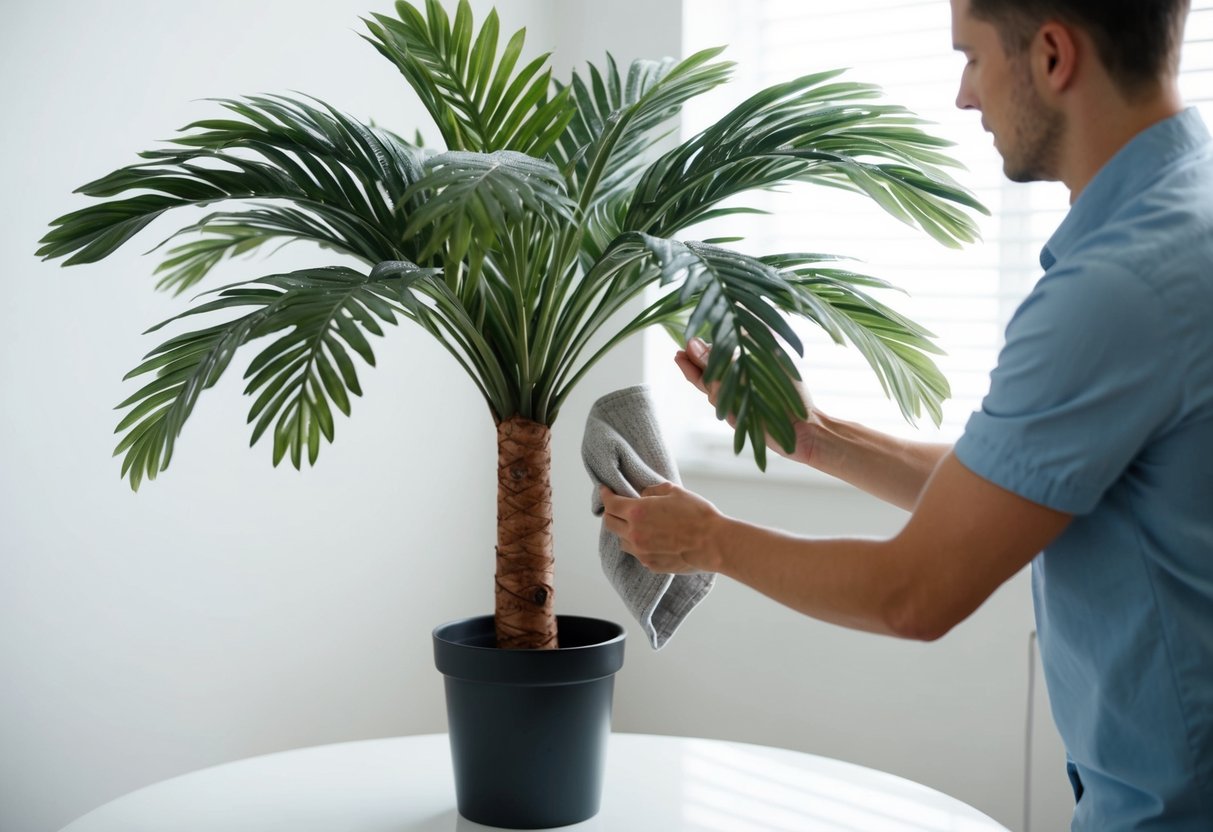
{"x":1137,"y":40}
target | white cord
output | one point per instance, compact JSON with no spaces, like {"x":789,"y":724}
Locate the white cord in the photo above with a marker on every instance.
{"x":1027,"y":752}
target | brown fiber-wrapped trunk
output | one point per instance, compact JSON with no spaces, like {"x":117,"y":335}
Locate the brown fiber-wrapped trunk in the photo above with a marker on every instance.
{"x":525,"y":613}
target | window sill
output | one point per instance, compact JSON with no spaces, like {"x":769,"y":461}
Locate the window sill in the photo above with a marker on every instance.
{"x":713,"y":456}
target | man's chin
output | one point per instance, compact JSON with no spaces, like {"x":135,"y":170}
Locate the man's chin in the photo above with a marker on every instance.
{"x":1020,"y":175}
{"x":1017,"y":172}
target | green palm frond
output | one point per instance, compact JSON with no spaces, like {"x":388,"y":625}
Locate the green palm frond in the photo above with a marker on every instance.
{"x":736,"y":301}
{"x":618,"y":119}
{"x":484,"y":193}
{"x":728,"y":297}
{"x":298,"y":378}
{"x":741,"y":304}
{"x":808,"y":130}
{"x":346,"y":182}
{"x":896,"y":348}
{"x":496,"y":218}
{"x":476,"y":99}
{"x":184,"y":366}
{"x":187,"y":264}
{"x":602,"y":155}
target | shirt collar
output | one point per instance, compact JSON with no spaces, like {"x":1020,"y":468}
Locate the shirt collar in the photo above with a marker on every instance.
{"x":1130,"y":171}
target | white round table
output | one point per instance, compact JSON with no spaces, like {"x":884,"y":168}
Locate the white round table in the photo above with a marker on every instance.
{"x":653,"y":783}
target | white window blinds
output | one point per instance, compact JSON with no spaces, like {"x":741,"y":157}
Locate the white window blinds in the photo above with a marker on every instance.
{"x":965,"y":297}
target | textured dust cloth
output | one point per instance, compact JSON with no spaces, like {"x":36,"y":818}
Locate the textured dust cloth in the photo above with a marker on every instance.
{"x":623,"y":450}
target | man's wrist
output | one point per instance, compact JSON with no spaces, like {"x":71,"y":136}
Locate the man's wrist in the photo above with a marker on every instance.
{"x":717,"y":537}
{"x":807,"y":434}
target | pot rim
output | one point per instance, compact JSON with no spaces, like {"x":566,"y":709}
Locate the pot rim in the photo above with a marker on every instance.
{"x":619,"y":637}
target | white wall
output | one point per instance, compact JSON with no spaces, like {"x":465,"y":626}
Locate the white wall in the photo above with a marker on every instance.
{"x":231,"y":609}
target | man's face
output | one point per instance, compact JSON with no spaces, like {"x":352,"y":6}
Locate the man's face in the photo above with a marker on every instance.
{"x":1027,"y":132}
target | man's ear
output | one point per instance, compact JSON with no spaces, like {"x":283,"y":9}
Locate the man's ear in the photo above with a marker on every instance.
{"x":1054,"y":54}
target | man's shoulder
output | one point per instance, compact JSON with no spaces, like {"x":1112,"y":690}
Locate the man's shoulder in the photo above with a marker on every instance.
{"x":1165,"y":221}
{"x":1158,"y":245}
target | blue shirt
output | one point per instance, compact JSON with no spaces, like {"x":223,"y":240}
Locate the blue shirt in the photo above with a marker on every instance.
{"x":1101,"y":406}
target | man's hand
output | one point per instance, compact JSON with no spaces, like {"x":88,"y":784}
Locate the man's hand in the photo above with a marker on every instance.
{"x":694,"y":360}
{"x":667,"y":528}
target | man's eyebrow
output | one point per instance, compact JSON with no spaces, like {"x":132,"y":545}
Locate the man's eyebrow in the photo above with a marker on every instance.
{"x":961,"y":47}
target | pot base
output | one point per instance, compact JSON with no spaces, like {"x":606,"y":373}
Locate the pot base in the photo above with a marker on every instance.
{"x":529,"y":728}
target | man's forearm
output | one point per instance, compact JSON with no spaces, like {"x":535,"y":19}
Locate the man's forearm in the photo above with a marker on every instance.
{"x":849,"y":582}
{"x":895,"y":470}
{"x":909,"y":585}
{"x":965,"y":538}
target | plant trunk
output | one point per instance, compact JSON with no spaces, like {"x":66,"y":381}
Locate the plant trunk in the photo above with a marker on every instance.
{"x":525,"y":614}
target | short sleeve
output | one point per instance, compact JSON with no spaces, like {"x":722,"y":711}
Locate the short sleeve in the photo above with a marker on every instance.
{"x":1083,"y":382}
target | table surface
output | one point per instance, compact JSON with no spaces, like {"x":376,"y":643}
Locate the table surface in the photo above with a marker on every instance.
{"x":658,"y":783}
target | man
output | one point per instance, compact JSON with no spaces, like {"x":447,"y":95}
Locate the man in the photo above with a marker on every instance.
{"x":1094,"y":446}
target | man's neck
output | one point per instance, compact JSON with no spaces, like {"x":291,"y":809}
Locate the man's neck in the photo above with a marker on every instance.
{"x":1097,"y":130}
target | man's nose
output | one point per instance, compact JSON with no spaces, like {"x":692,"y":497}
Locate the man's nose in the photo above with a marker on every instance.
{"x":965,"y":100}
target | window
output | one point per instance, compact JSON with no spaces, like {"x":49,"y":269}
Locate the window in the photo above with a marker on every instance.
{"x":965,"y":297}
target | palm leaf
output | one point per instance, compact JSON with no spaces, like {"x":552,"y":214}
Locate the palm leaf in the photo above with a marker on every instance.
{"x":738,"y":301}
{"x":185,"y":366}
{"x":347,"y":182}
{"x":476,"y":99}
{"x":503,"y":211}
{"x":488,"y":191}
{"x":619,"y":118}
{"x":299,"y":377}
{"x":895,"y":347}
{"x":807,"y":130}
{"x":187,"y":264}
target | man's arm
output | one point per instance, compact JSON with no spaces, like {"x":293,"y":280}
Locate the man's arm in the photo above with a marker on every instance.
{"x":893,"y":469}
{"x":966,"y":537}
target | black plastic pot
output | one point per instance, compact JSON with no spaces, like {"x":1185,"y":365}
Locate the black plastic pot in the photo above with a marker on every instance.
{"x":529,"y":728}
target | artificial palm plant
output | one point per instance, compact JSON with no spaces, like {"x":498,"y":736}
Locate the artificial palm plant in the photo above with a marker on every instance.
{"x":523,"y":248}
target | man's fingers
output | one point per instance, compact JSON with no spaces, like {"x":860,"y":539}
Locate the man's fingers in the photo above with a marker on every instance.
{"x":614,"y":525}
{"x":693,"y":361}
{"x":690,"y":370}
{"x":697,"y":351}
{"x":616,"y":505}
{"x":612,"y":503}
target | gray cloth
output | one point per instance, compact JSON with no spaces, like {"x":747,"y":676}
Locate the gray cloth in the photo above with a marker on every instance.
{"x":622,"y":449}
